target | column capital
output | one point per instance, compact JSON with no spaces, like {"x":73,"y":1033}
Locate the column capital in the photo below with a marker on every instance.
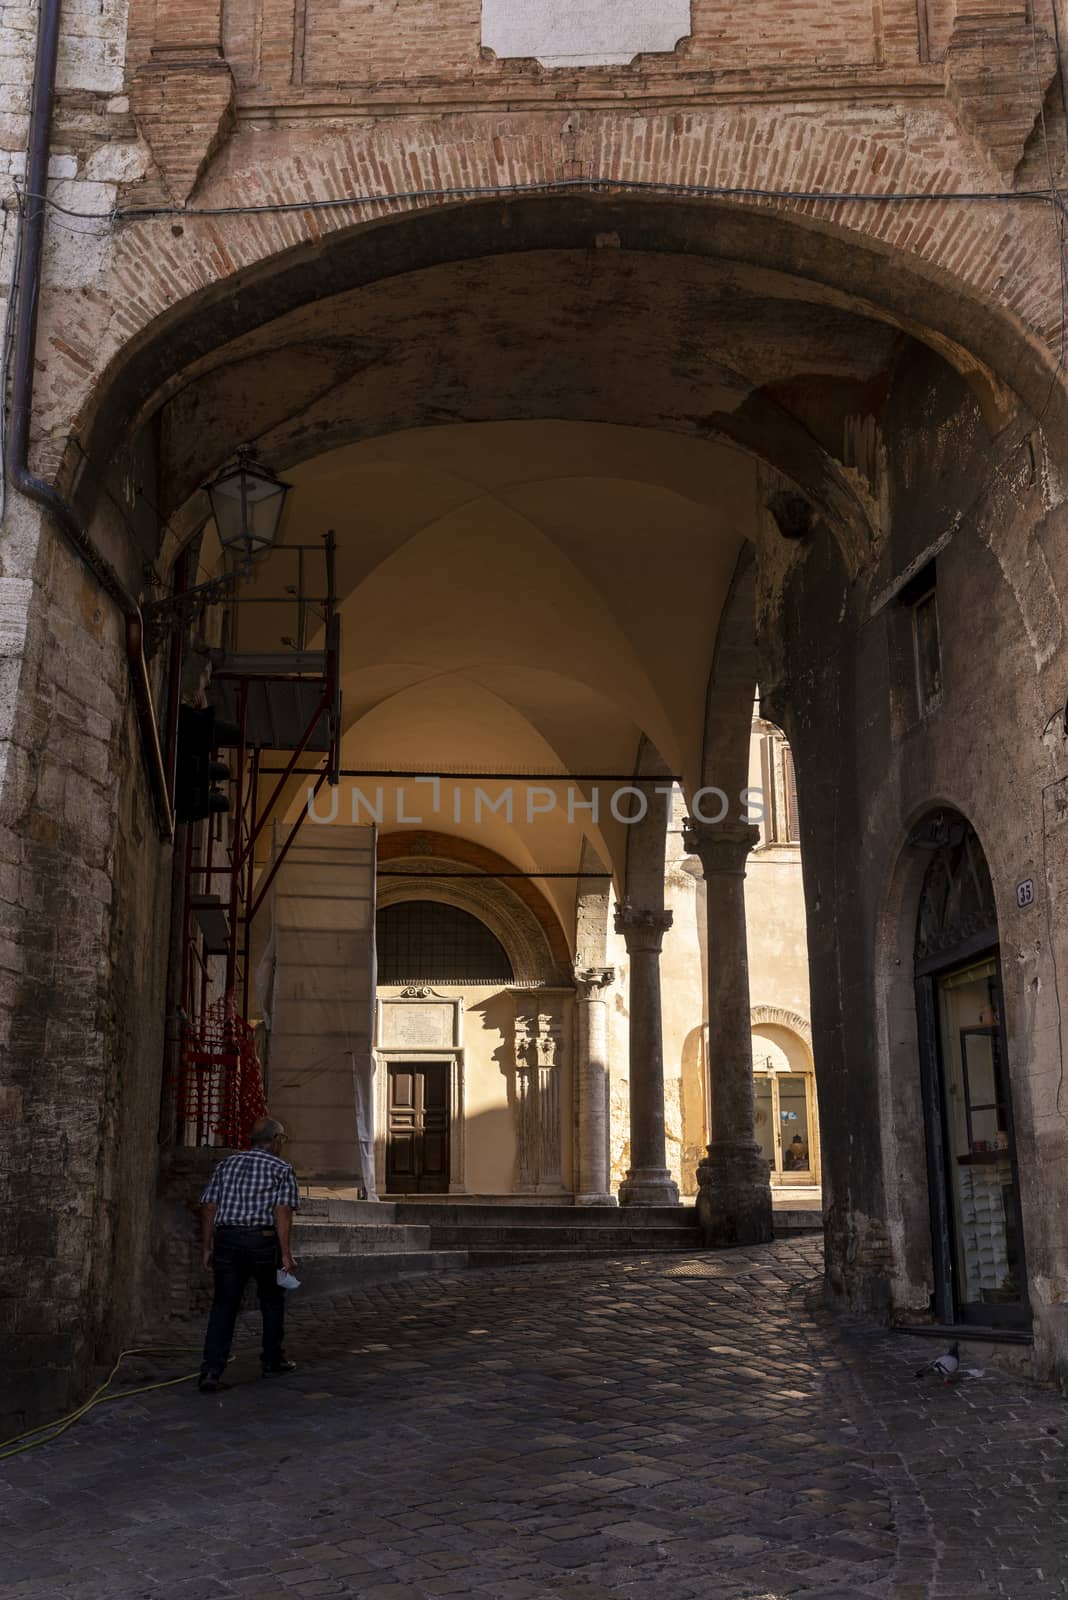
{"x":591,"y":980}
{"x":723,"y":850}
{"x":642,"y":928}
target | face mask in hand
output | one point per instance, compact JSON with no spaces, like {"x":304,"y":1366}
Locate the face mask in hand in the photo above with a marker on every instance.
{"x":286,"y":1280}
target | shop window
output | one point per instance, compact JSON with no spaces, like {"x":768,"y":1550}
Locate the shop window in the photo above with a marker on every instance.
{"x":784,"y":1124}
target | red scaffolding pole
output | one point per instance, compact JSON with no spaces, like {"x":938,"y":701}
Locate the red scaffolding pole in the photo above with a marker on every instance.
{"x":287,"y":702}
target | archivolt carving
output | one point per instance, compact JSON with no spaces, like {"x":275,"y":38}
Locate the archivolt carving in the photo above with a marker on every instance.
{"x":775,"y":1016}
{"x":513,"y":923}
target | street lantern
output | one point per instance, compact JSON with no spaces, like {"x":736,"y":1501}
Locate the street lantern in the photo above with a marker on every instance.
{"x":247,"y":501}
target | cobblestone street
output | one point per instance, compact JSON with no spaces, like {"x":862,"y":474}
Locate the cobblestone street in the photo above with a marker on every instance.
{"x":657,"y":1429}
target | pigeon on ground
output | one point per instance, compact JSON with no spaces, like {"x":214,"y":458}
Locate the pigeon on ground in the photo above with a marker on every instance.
{"x":945,"y":1366}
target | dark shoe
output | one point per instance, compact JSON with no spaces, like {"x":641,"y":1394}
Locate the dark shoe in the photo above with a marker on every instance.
{"x":275,"y":1369}
{"x":211,"y":1383}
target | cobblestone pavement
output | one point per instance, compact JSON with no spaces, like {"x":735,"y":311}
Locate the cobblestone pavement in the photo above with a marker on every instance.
{"x":673,"y":1428}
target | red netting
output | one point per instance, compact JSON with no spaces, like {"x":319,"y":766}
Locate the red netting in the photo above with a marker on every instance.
{"x":220,"y":1088}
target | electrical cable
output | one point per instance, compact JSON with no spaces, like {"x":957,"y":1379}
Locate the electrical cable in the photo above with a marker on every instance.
{"x":6,"y":346}
{"x":589,"y":184}
{"x":47,"y":1431}
{"x":1052,"y":947}
{"x":1056,"y":207}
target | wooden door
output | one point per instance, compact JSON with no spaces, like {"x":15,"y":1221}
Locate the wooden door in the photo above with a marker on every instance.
{"x":417,"y":1147}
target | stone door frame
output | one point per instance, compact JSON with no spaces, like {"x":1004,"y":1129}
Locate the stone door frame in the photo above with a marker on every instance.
{"x":387,"y":1054}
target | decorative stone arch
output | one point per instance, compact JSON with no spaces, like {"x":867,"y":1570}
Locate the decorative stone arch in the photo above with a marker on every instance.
{"x":777,"y":1017}
{"x":510,"y":922}
{"x":520,"y":918}
{"x":901,"y":1108}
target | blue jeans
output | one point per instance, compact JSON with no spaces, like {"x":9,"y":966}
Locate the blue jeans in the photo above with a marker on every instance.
{"x":239,"y":1254}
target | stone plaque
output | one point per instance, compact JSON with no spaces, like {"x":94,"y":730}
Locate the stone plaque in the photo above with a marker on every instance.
{"x":417,"y":1025}
{"x":583,"y":33}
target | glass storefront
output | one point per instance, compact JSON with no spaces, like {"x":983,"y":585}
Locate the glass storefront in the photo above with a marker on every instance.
{"x":784,"y":1124}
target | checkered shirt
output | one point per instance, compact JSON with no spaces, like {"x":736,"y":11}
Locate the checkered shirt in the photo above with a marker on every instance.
{"x":247,"y":1186}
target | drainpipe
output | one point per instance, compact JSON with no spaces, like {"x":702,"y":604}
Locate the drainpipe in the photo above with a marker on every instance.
{"x":32,"y":226}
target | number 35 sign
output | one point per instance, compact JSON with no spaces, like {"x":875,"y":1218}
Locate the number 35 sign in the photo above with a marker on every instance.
{"x":1025,"y":893}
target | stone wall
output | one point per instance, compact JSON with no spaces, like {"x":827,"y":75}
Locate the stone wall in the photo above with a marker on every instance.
{"x":82,"y":879}
{"x":871,"y":764}
{"x":84,"y":890}
{"x":176,"y":1284}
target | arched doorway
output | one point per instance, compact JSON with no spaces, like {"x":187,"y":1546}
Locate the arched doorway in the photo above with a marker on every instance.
{"x":977,"y":1233}
{"x":421,"y":943}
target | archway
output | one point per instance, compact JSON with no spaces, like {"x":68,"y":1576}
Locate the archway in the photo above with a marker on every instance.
{"x":976,"y":1224}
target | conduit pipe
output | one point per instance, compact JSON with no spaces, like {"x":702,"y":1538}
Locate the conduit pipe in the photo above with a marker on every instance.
{"x":32,"y":226}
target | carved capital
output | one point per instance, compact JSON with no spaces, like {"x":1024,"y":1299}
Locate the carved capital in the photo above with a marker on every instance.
{"x":722,"y":850}
{"x":591,"y":980}
{"x":642,"y":929}
{"x":537,"y":1041}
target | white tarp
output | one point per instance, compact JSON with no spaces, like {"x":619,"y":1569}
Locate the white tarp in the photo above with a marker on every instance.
{"x":316,"y":983}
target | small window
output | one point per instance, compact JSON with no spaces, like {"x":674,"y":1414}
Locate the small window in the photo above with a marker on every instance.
{"x":780,"y":823}
{"x":424,"y":941}
{"x":770,"y":824}
{"x":928,"y":650}
{"x":792,"y":831}
{"x":920,"y":595}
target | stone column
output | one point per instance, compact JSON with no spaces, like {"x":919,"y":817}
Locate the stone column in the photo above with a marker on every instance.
{"x":537,"y":1087}
{"x":648,"y":1182}
{"x":526,"y":1106}
{"x":591,"y":1074}
{"x":734,"y":1200}
{"x":548,"y":1053}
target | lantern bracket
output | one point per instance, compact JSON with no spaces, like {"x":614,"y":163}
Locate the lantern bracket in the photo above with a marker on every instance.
{"x":162,"y":617}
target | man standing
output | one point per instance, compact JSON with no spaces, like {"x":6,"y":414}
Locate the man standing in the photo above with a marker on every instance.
{"x":246,"y":1217}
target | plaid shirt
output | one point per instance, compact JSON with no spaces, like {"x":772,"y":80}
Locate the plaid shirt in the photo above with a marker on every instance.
{"x":247,"y":1186}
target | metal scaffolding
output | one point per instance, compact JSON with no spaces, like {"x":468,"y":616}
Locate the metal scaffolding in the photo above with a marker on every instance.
{"x":287,"y":701}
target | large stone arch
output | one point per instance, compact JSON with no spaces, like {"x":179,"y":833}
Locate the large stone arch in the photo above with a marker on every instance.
{"x":191,"y":300}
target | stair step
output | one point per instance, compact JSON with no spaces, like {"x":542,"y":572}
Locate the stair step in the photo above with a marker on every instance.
{"x":797,"y":1221}
{"x":532,"y":1216}
{"x":315,"y":1237}
{"x":373,"y":1212}
{"x":505,"y":1256}
{"x":337,"y":1274}
{"x":544,"y":1237}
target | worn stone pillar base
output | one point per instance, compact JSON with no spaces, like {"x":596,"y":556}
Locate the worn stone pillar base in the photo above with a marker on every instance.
{"x":734,"y":1199}
{"x":648,"y":1186}
{"x":595,"y":1200}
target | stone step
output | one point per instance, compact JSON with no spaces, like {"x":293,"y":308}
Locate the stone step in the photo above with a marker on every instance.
{"x":326,"y":1206}
{"x":562,"y":1236}
{"x":801,"y":1221}
{"x":446,"y":1214}
{"x":341,"y":1274}
{"x":314,"y":1237}
{"x":516,"y":1256}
